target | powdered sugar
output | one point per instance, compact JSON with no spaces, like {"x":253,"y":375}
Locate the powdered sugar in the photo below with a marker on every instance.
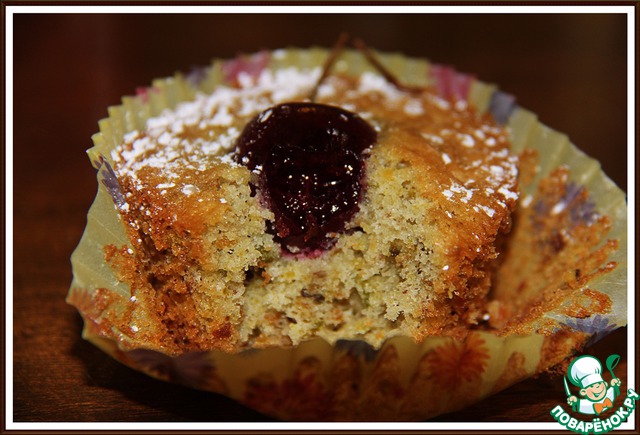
{"x":413,"y":107}
{"x":499,"y":171}
{"x":433,"y":138}
{"x":457,"y":191}
{"x":467,"y":140}
{"x":488,"y":210}
{"x":201,"y":133}
{"x":370,"y":82}
{"x":168,"y":144}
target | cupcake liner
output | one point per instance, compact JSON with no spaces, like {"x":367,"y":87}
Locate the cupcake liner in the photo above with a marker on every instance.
{"x":604,"y":198}
{"x":351,"y":380}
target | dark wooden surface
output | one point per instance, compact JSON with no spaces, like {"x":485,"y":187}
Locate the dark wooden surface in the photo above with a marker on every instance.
{"x":570,"y":69}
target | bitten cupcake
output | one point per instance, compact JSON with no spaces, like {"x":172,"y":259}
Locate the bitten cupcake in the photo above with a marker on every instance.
{"x":314,"y":233}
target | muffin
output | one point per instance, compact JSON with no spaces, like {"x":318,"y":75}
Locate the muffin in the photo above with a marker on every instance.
{"x":317,"y":240}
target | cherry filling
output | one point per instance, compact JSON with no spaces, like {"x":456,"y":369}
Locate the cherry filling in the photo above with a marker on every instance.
{"x":310,"y":159}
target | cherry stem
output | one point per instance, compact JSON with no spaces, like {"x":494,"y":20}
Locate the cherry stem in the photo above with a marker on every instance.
{"x":328,"y":64}
{"x":369,"y":55}
{"x":388,"y":75}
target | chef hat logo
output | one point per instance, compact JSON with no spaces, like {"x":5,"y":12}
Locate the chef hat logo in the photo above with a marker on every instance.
{"x":585,"y":371}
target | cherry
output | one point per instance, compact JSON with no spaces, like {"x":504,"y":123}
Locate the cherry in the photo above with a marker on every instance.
{"x":310,"y":160}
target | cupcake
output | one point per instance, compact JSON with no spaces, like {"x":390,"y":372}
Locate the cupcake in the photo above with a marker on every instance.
{"x":318,"y":235}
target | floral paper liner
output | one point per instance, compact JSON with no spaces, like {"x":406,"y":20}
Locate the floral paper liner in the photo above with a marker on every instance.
{"x":352,"y":380}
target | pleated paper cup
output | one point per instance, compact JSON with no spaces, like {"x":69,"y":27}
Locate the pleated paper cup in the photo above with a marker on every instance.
{"x":561,"y":285}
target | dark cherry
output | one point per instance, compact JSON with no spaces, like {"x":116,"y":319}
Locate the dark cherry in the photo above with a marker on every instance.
{"x":310,"y":159}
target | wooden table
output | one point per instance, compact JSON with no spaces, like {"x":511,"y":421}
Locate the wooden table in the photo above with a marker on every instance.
{"x":570,"y":69}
